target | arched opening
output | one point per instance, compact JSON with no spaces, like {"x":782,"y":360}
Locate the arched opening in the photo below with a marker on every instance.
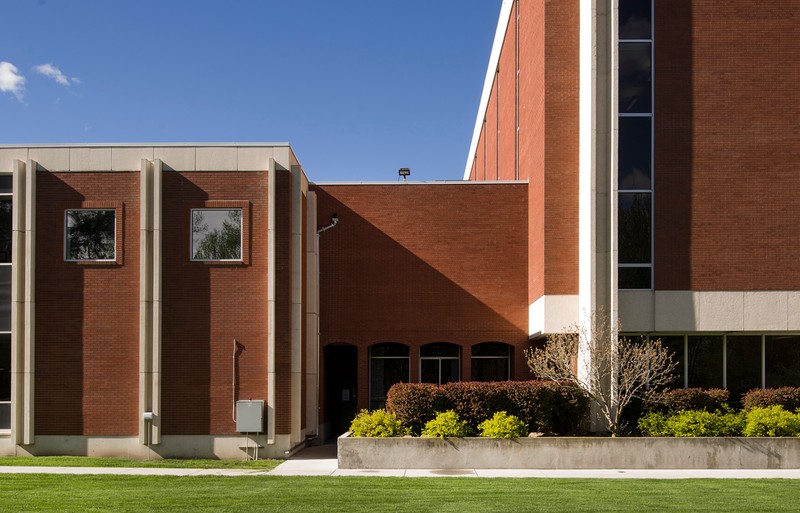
{"x":491,"y":361}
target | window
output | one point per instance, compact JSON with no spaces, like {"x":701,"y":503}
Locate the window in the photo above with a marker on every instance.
{"x":216,"y":234}
{"x":91,"y":234}
{"x":440,"y":363}
{"x":491,"y":361}
{"x":5,"y":381}
{"x":704,"y":359}
{"x":5,"y":299}
{"x":635,"y":145}
{"x":782,"y":364}
{"x":388,"y":364}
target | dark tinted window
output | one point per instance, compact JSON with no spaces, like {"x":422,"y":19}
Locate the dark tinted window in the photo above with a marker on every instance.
{"x":634,"y":227}
{"x":782,"y":361}
{"x":705,"y":361}
{"x":743,"y":360}
{"x":675,"y":346}
{"x":634,"y":78}
{"x":634,"y":278}
{"x":634,"y":152}
{"x":634,"y":19}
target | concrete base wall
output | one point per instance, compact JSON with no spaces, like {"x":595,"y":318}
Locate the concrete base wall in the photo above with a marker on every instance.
{"x":188,"y":446}
{"x":569,"y":453}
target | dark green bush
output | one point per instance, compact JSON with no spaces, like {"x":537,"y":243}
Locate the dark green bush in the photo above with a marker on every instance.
{"x":446,"y":425}
{"x":772,"y":421}
{"x":788,"y":397}
{"x":687,"y":399}
{"x":542,"y":406}
{"x":378,"y":423}
{"x":503,"y":425}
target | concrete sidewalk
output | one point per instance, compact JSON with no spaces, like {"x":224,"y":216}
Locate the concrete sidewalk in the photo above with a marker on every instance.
{"x":321,"y":461}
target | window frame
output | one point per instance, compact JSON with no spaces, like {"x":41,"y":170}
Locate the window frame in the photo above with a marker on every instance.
{"x":439,"y":360}
{"x":373,"y":400}
{"x":242,"y":213}
{"x":507,"y":358}
{"x":117,"y":246}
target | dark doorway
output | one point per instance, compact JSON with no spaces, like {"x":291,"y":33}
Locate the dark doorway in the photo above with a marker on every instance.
{"x":341,"y":383}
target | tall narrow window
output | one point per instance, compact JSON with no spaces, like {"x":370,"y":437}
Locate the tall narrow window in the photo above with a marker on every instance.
{"x":388,"y":364}
{"x":5,"y":300}
{"x":440,"y":363}
{"x":635,"y":145}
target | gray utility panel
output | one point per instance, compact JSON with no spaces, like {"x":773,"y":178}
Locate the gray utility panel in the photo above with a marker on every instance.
{"x":250,"y":416}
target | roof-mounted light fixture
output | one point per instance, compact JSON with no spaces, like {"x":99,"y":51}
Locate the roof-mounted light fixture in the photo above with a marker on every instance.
{"x":404,"y":172}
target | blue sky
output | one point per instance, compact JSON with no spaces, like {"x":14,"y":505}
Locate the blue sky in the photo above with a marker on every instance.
{"x":359,"y":88}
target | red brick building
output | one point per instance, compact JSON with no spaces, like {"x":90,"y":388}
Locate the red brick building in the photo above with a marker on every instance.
{"x":638,"y":157}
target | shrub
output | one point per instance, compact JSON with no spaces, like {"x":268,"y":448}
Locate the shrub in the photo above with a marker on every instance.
{"x":687,"y":399}
{"x":772,"y":421}
{"x":788,"y":397}
{"x":542,"y":406}
{"x":415,"y":403}
{"x":704,"y":423}
{"x":690,"y":423}
{"x":446,"y":425}
{"x":378,"y":423}
{"x":653,"y":424}
{"x":503,"y":425}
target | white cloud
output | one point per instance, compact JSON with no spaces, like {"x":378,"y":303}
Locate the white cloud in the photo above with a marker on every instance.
{"x":11,"y":81}
{"x":53,"y":72}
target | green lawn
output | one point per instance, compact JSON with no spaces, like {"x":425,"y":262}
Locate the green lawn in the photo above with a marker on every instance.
{"x":40,"y":492}
{"x":82,"y":461}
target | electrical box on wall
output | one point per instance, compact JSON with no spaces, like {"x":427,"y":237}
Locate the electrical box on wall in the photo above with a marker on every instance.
{"x":250,"y":416}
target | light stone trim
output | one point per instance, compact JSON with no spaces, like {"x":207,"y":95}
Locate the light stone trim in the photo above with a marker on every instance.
{"x":30,"y":304}
{"x":299,"y":189}
{"x":150,"y":302}
{"x":271,"y":226}
{"x":709,"y":311}
{"x":19,"y":405}
{"x":312,"y":317}
{"x":553,"y":314}
{"x":172,"y":446}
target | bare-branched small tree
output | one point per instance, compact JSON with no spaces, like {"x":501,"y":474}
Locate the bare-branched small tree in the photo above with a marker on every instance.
{"x":613,"y":371}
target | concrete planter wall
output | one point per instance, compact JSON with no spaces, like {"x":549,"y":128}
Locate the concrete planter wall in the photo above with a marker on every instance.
{"x":569,"y":453}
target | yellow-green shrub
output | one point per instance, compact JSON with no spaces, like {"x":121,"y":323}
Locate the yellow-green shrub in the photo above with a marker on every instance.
{"x":772,"y":421}
{"x":446,"y":425}
{"x":378,"y":423}
{"x":503,"y":425}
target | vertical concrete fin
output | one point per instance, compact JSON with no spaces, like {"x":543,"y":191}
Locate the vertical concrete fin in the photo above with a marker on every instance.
{"x":312,"y":326}
{"x":595,"y":165}
{"x":18,"y":406}
{"x":145,"y":296}
{"x":271,"y":186}
{"x":30,"y":303}
{"x":155,"y":366}
{"x":297,"y":303}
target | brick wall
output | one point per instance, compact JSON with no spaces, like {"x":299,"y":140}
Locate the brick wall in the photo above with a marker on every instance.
{"x":424,"y":263}
{"x":208,"y":305}
{"x":87,"y":314}
{"x":548,"y":136}
{"x":727,"y":145}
